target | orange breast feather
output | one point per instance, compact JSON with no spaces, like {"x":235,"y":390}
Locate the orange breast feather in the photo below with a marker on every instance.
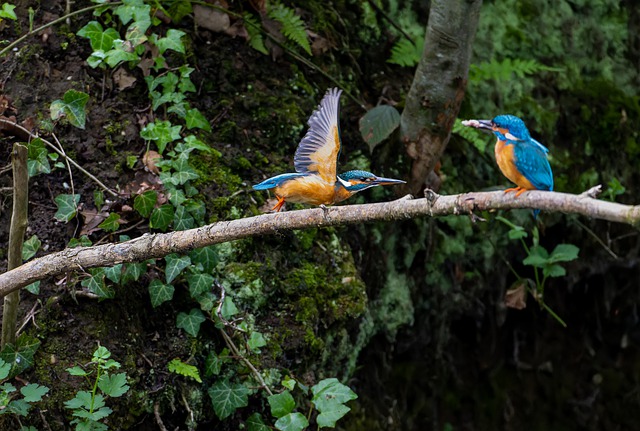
{"x":506,"y":163}
{"x":310,"y":189}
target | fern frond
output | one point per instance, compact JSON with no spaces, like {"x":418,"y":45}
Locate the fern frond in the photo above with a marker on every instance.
{"x":292,"y":26}
{"x":405,"y":53}
{"x":253,"y":30}
{"x":476,"y":138}
{"x":503,"y":70}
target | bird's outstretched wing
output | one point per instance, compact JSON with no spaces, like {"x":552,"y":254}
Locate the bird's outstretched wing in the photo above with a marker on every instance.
{"x":318,"y":151}
{"x":531,"y":161}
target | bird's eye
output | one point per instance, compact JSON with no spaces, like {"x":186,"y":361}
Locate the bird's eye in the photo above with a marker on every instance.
{"x":365,"y":179}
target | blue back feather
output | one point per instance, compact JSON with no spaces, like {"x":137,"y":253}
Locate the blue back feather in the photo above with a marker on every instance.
{"x":277,"y":180}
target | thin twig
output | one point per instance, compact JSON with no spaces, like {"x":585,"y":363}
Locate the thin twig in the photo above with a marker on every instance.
{"x":66,"y":159}
{"x":597,"y":238}
{"x":388,"y":18}
{"x":156,"y":414}
{"x":62,"y":154}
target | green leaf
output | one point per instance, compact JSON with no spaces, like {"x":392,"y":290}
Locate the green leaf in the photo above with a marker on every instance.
{"x":255,"y":423}
{"x":33,"y":287}
{"x":101,"y":354}
{"x":81,"y":400}
{"x":256,"y":340}
{"x":517,"y":233}
{"x":193,"y":143}
{"x":19,"y":407}
{"x":114,"y":385}
{"x":175,"y":265}
{"x":538,"y":257}
{"x":131,"y":161}
{"x":67,"y":206}
{"x":195,"y":119}
{"x":113,"y":273}
{"x":227,"y":397}
{"x":171,"y":41}
{"x":292,"y":422}
{"x":292,"y":25}
{"x":161,"y":132}
{"x":134,"y":10}
{"x":83,"y":241}
{"x":564,"y":253}
{"x":33,"y":392}
{"x":179,"y":9}
{"x":30,"y":247}
{"x":111,"y":223}
{"x":471,"y":134}
{"x":77,"y":371}
{"x":161,"y":217}
{"x":213,"y":363}
{"x":554,"y":270}
{"x":98,"y":198}
{"x":406,"y":53}
{"x":20,"y":355}
{"x":101,"y":40}
{"x":190,"y":322}
{"x":119,"y":54}
{"x":256,"y":41}
{"x":96,"y":284}
{"x":328,"y":418}
{"x":182,"y":220}
{"x":72,"y":107}
{"x":205,"y":256}
{"x":199,"y":283}
{"x":329,"y":392}
{"x":281,"y":404}
{"x":288,"y":383}
{"x":160,"y":292}
{"x":5,"y":367}
{"x":133,"y":271}
{"x":7,"y":11}
{"x":229,"y":309}
{"x":145,"y":202}
{"x":378,"y":123}
{"x":38,"y":162}
{"x":179,"y":367}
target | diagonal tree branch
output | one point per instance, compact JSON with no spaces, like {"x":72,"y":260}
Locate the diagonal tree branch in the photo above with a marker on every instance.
{"x":159,"y":245}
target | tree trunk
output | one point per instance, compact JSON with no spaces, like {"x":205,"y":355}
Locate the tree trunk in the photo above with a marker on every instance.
{"x":438,"y":87}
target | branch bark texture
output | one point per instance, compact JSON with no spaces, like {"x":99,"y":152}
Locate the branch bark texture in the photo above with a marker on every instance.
{"x":439,"y":84}
{"x":17,"y":230}
{"x":159,"y":245}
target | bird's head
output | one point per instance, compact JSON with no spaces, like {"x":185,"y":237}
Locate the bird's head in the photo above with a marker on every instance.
{"x":505,"y":127}
{"x":356,"y":181}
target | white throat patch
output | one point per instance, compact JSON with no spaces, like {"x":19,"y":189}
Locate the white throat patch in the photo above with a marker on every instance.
{"x":344,"y":183}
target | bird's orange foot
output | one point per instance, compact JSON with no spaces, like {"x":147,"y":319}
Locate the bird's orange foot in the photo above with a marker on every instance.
{"x":518,"y":190}
{"x":278,"y":205}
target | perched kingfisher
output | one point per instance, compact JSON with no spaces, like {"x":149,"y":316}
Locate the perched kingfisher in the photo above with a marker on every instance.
{"x":522,"y":159}
{"x":316,"y":180}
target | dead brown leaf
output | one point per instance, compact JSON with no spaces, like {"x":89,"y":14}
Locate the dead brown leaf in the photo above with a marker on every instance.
{"x":123,"y":79}
{"x":149,"y":160}
{"x":516,"y":297}
{"x":92,"y":218}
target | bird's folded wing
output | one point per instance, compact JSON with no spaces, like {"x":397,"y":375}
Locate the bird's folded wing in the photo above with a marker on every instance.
{"x":532,"y":162}
{"x":318,"y":151}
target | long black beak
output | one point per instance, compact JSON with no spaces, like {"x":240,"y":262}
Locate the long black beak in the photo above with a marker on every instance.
{"x":479,"y":124}
{"x":380,"y":181}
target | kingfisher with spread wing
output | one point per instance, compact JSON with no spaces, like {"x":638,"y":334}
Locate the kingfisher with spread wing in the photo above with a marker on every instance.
{"x":316,"y":180}
{"x":522,"y":159}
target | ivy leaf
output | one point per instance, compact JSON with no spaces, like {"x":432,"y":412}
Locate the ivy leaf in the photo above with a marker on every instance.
{"x":119,"y":54}
{"x":175,"y":265}
{"x":190,"y":322}
{"x":113,"y":385}
{"x":329,"y":392}
{"x":193,"y":143}
{"x":161,"y":217}
{"x":113,"y":273}
{"x":179,"y":9}
{"x":133,"y":271}
{"x":213,"y":363}
{"x":38,"y":162}
{"x":30,"y":247}
{"x":281,"y":404}
{"x":329,"y":417}
{"x":205,"y":256}
{"x":96,"y":284}
{"x":33,"y":287}
{"x":72,"y":106}
{"x":145,"y":202}
{"x":134,"y":10}
{"x":255,"y":423}
{"x":161,"y":132}
{"x":33,"y":392}
{"x":256,"y":340}
{"x":20,"y":355}
{"x":195,"y":119}
{"x":101,"y":40}
{"x":182,"y":220}
{"x":378,"y":123}
{"x":160,"y":292}
{"x":67,"y":206}
{"x":7,"y":11}
{"x":179,"y":367}
{"x":199,"y":283}
{"x":111,"y":223}
{"x":226,"y":398}
{"x":171,"y":41}
{"x":292,"y":422}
